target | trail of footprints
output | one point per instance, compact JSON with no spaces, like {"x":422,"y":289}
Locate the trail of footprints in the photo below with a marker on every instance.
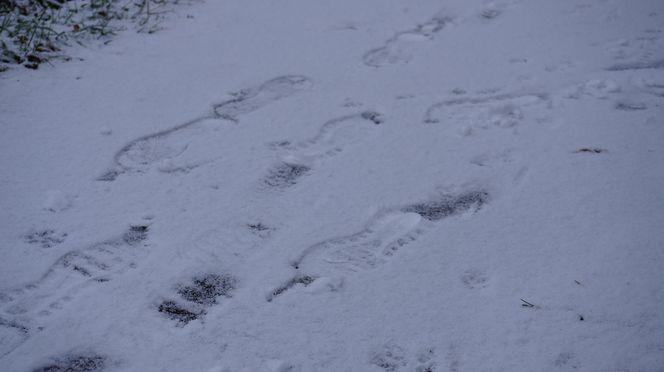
{"x":103,"y":261}
{"x":381,"y":238}
{"x":371,"y":246}
{"x":190,"y":143}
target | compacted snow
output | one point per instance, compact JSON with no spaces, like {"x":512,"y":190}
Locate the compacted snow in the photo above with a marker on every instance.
{"x":376,"y":185}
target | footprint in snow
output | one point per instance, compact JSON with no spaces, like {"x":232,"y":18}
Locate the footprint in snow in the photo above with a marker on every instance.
{"x":69,"y":274}
{"x":567,"y":360}
{"x":633,"y":97}
{"x":399,"y":49}
{"x":491,"y":11}
{"x":188,"y":146}
{"x":625,"y":105}
{"x":265,"y":365}
{"x":334,"y":135}
{"x":475,"y":279}
{"x":197,"y":296}
{"x":656,"y":64}
{"x":641,"y":52}
{"x":470,"y":114}
{"x":285,"y":175}
{"x":12,"y":335}
{"x":277,"y":365}
{"x":380,"y":239}
{"x":596,"y":88}
{"x":652,"y":84}
{"x":392,"y":357}
{"x":45,"y":238}
{"x":82,"y":362}
{"x":402,"y":46}
{"x":251,"y":99}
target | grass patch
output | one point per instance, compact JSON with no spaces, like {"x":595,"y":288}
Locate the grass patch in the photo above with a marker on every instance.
{"x":33,"y":32}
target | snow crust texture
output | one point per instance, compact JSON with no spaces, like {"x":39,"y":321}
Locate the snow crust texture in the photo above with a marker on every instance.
{"x":392,"y":186}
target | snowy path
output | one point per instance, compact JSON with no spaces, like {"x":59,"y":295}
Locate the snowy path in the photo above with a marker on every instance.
{"x":352,"y":186}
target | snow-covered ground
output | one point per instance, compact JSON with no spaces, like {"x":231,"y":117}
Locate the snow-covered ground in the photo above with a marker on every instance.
{"x":376,"y":185}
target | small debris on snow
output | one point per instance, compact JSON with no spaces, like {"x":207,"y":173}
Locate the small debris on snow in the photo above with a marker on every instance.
{"x":526,"y":303}
{"x":592,"y":150}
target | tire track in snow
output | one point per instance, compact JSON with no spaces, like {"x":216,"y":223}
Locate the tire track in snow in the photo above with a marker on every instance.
{"x":192,"y":141}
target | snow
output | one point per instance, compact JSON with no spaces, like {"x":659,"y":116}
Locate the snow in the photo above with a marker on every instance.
{"x":381,"y":186}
